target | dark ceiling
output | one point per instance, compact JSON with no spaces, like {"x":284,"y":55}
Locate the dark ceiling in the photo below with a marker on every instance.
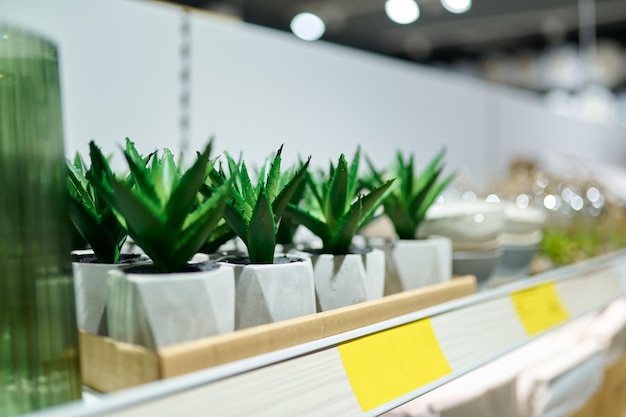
{"x":437,"y":35}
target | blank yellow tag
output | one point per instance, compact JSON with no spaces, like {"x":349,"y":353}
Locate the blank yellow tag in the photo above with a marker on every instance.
{"x":539,"y":308}
{"x":394,"y":362}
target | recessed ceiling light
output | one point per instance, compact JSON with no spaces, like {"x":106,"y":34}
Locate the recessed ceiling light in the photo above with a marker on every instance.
{"x":307,"y":26}
{"x":457,"y":6}
{"x":402,"y":11}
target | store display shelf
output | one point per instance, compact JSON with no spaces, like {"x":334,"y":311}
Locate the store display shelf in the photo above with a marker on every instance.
{"x":377,"y":367}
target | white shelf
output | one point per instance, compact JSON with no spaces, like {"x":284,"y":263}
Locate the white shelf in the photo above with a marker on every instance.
{"x":376,"y":368}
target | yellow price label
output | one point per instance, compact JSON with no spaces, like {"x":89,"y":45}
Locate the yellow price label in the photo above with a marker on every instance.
{"x":539,"y":308}
{"x":385,"y":365}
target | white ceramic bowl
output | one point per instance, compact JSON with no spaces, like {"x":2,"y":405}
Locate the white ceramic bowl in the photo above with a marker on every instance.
{"x":523,"y":220}
{"x":465,"y":221}
{"x":480,"y":264}
{"x":522,"y":239}
{"x":515,"y":261}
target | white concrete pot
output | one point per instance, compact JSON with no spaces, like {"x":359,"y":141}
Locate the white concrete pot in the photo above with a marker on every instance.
{"x":157,"y":310}
{"x":416,"y":263}
{"x":90,"y":289}
{"x":267,"y":293}
{"x":343,"y":280}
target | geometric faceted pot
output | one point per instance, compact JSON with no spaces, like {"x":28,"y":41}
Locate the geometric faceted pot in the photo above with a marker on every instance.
{"x":415,"y":263}
{"x":267,"y":293}
{"x":154,"y":309}
{"x":90,"y":288}
{"x":343,"y":280}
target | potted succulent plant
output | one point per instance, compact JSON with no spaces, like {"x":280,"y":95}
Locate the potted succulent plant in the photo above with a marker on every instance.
{"x":411,"y":261}
{"x":344,"y":275}
{"x":268,"y":287}
{"x":170,"y":300}
{"x":96,"y":222}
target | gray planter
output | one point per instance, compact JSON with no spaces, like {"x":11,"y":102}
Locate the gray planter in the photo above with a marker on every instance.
{"x":90,"y":289}
{"x":415,"y":263}
{"x":343,"y":280}
{"x":156,"y":310}
{"x":272,"y":292}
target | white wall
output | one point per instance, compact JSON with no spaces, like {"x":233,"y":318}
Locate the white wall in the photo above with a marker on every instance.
{"x":118,"y":65}
{"x":256,"y":88}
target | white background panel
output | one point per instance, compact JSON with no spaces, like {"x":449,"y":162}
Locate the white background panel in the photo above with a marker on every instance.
{"x":256,"y":88}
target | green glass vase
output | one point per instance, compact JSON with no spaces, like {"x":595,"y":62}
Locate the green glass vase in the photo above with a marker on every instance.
{"x":39,"y":363}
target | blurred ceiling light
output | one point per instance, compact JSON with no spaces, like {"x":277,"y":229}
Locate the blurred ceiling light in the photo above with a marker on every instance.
{"x":402,"y":11}
{"x":457,"y":6}
{"x":307,"y":26}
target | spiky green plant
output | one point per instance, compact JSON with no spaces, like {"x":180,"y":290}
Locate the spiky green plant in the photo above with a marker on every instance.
{"x":287,"y":228}
{"x":413,"y":194}
{"x":255,"y":212}
{"x":92,"y":216}
{"x":162,"y":211}
{"x":338,"y":209}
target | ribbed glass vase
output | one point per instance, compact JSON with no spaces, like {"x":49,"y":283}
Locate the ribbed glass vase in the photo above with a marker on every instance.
{"x":39,"y":364}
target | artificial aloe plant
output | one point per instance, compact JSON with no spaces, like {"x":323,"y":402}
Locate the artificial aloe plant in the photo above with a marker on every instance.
{"x":92,"y":216}
{"x":413,"y":194}
{"x":337,"y":209}
{"x":255,"y":212}
{"x":287,"y":228}
{"x":162,"y":211}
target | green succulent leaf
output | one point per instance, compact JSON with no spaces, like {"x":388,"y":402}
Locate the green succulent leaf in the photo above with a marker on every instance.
{"x":273,"y":176}
{"x":141,"y":214}
{"x":262,"y":231}
{"x":432,"y":195}
{"x":359,"y":213}
{"x":221,"y":234}
{"x":433,"y":169}
{"x":289,"y":190}
{"x":199,"y":225}
{"x":183,"y":194}
{"x":238,"y":221}
{"x":143,"y":176}
{"x":315,"y":190}
{"x":337,"y":199}
{"x":99,"y":167}
{"x":168,"y":175}
{"x":78,"y":162}
{"x":101,"y":240}
{"x":78,"y":186}
{"x":404,"y":224}
{"x":315,"y":225}
{"x":246,"y":186}
{"x":353,"y":178}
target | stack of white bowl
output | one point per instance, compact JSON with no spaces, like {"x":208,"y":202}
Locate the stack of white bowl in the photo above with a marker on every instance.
{"x":522,"y":235}
{"x":476,"y":229}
